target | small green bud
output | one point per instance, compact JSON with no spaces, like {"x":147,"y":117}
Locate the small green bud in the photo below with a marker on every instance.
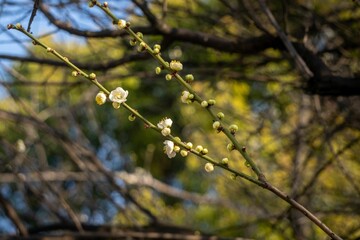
{"x":191,"y":96}
{"x":233,"y":176}
{"x":92,"y":76}
{"x":204,"y":104}
{"x":132,"y":117}
{"x":91,"y":3}
{"x":157,"y":46}
{"x":211,"y":102}
{"x":233,"y":128}
{"x":168,"y":77}
{"x":220,"y":115}
{"x":158,"y":70}
{"x":140,"y":35}
{"x":177,"y":139}
{"x":143,"y":45}
{"x":156,"y":51}
{"x":199,"y":148}
{"x":189,"y":145}
{"x":230,"y":147}
{"x":132,"y":42}
{"x":116,"y":105}
{"x":247,"y":164}
{"x":184,"y":153}
{"x":189,"y":78}
{"x":140,"y":49}
{"x":49,"y":49}
{"x":225,"y":161}
{"x":204,"y":151}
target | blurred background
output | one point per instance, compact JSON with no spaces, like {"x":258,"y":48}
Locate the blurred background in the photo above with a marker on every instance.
{"x":69,"y":164}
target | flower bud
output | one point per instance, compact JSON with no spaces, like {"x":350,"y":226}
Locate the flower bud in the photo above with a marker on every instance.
{"x":91,"y":3}
{"x":233,"y":128}
{"x":132,"y":42}
{"x":189,"y":78}
{"x":225,"y":161}
{"x":209,"y":167}
{"x":216,"y":125}
{"x":199,"y":148}
{"x":132,"y":117}
{"x":74,"y":73}
{"x":121,"y":24}
{"x":230,"y":147}
{"x":92,"y":76}
{"x":204,"y":104}
{"x":157,"y":46}
{"x":189,"y":145}
{"x":100,"y":98}
{"x":20,"y":146}
{"x":184,"y":153}
{"x":166,"y":131}
{"x":140,"y":35}
{"x":143,"y":45}
{"x":204,"y":151}
{"x":168,"y":77}
{"x":116,"y":105}
{"x":176,"y":65}
{"x":177,"y":149}
{"x":156,"y":51}
{"x":177,"y":139}
{"x":220,"y":115}
{"x":158,"y":70}
{"x":18,"y":26}
{"x":211,"y":102}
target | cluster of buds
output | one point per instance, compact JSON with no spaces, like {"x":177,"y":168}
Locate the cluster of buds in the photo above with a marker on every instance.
{"x":157,"y":49}
{"x":187,"y":97}
{"x":164,"y":125}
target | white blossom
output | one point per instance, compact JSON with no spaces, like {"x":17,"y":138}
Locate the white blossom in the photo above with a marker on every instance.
{"x":118,"y":95}
{"x":165,"y":123}
{"x":169,"y":148}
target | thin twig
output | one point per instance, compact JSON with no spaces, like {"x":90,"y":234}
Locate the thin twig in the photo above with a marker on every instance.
{"x":33,"y":14}
{"x":293,"y":53}
{"x":11,"y":213}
